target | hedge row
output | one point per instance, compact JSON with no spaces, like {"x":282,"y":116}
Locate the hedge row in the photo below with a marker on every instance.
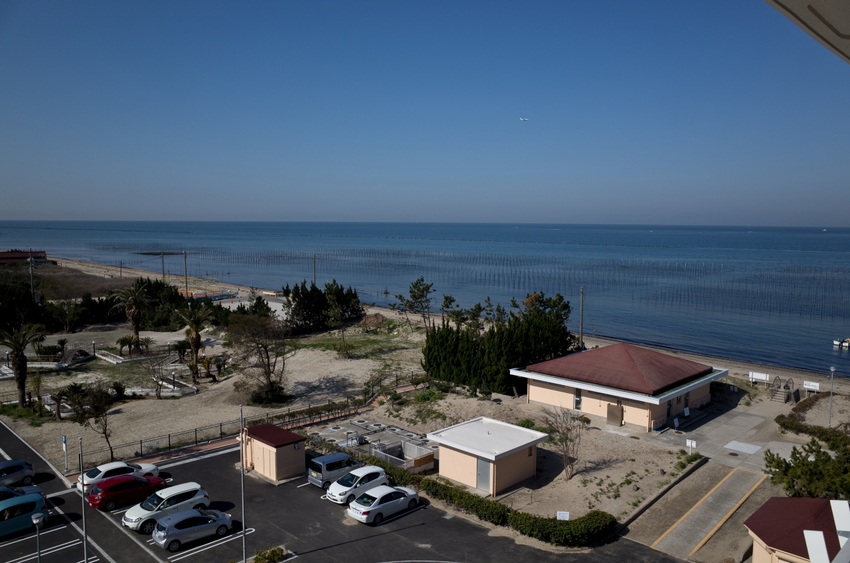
{"x":581,"y":532}
{"x":835,"y":439}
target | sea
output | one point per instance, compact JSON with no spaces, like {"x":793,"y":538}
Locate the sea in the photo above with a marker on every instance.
{"x":771,"y":295}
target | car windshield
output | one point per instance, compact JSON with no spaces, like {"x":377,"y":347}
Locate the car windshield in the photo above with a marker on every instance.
{"x":207,"y":513}
{"x":134,"y":466}
{"x":152,"y":502}
{"x":160,"y":527}
{"x":315,"y":466}
{"x":96,"y":490}
{"x":348,"y":480}
{"x":366,"y":499}
{"x":15,"y":490}
{"x":93,"y":473}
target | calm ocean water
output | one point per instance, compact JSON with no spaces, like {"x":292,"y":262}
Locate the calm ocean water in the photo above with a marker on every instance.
{"x":773,"y":295}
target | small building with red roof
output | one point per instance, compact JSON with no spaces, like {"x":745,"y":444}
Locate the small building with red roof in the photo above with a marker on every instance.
{"x":273,"y":452}
{"x":777,"y":529}
{"x":623,"y":383}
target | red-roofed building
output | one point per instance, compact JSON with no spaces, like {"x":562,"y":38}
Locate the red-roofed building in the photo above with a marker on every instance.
{"x":275,"y":453}
{"x":777,"y":529}
{"x":626,"y":384}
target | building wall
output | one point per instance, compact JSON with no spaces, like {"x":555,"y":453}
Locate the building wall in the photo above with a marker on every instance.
{"x":514,"y":468}
{"x":548,"y":394}
{"x":459,"y":466}
{"x":290,"y":461}
{"x":764,"y":554}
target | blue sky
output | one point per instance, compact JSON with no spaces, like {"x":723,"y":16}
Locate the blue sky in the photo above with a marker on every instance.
{"x":720,"y":113}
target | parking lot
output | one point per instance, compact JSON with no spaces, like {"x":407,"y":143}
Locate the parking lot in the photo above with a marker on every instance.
{"x":292,"y":515}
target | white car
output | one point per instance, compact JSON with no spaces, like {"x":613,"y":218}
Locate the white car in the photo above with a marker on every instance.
{"x":372,"y":507}
{"x":114,"y":469}
{"x":350,"y":486}
{"x":143,"y":517}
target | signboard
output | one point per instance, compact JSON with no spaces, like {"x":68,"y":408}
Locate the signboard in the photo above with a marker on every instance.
{"x":811,"y":385}
{"x":563,"y":515}
{"x":691,"y":443}
{"x":756,"y":376}
{"x":64,"y":443}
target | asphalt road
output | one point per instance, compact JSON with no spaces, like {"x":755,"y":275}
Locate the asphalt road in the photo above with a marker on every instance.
{"x":293,"y":515}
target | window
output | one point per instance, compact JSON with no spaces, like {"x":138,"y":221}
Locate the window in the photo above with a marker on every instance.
{"x":679,"y":400}
{"x":530,"y":449}
{"x":577,"y":405}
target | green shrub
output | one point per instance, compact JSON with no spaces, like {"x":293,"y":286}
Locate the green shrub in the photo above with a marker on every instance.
{"x":428,"y":396}
{"x":525,"y":423}
{"x":485,"y":509}
{"x":693,"y":457}
{"x":581,"y":532}
{"x":274,"y":554}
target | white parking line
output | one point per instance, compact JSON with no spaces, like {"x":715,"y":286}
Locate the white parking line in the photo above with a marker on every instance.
{"x":193,"y":459}
{"x":60,"y":493}
{"x":205,"y":547}
{"x":43,"y":533}
{"x":47,"y":551}
{"x":4,"y":454}
{"x":91,"y":541}
{"x":304,"y":485}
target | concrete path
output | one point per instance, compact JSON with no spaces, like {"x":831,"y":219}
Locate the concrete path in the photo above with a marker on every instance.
{"x":707,"y":515}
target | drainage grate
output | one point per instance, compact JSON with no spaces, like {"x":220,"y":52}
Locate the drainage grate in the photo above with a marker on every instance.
{"x":331,"y":440}
{"x":378,"y":425}
{"x":634,"y":437}
{"x":360,"y":421}
{"x":336,"y":428}
{"x":733,"y":454}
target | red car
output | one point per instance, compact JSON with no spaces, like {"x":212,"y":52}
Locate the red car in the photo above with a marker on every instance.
{"x":123,"y":490}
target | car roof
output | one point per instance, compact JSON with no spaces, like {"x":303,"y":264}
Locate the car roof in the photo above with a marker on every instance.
{"x":181,"y":488}
{"x":367,"y":469}
{"x":379,"y":491}
{"x":4,"y":464}
{"x":111,"y":465}
{"x":331,"y":457}
{"x":112,"y":481}
{"x":176,"y":517}
{"x":15,"y":501}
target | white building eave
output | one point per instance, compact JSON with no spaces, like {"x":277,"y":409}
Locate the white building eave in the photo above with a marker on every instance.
{"x":716,"y":374}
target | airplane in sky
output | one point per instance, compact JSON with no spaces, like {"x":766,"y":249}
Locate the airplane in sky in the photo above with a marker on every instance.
{"x":523,"y":119}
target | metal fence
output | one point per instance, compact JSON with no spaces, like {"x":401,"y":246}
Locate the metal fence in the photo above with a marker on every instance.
{"x":285,"y":418}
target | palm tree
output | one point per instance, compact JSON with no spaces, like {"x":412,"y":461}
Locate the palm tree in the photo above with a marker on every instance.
{"x":196,"y":320}
{"x":135,"y":301}
{"x":17,"y":341}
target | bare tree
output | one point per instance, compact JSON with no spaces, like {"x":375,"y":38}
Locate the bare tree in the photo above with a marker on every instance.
{"x":567,"y":430}
{"x":153,"y":367}
{"x":260,"y":349}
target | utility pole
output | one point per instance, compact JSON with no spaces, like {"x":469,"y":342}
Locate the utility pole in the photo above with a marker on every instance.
{"x":32,"y":286}
{"x":314,"y":269}
{"x":831,"y":388}
{"x":120,"y":268}
{"x":162,"y":258}
{"x":185,"y":274}
{"x":581,"y":318}
{"x":242,"y":479}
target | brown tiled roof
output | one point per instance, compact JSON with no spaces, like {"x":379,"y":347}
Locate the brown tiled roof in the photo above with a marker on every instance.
{"x":624,"y":366}
{"x":273,"y":436}
{"x":780,"y":522}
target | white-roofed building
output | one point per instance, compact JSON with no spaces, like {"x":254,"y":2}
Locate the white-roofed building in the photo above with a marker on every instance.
{"x":488,"y":454}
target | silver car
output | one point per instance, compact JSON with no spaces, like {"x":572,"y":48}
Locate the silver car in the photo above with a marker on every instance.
{"x":16,"y":471}
{"x":381,"y":502}
{"x":189,"y":525}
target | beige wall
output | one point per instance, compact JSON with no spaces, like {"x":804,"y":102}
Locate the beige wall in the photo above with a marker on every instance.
{"x":644,"y":415}
{"x":275,"y":463}
{"x":764,"y":554}
{"x":291,"y":462}
{"x":547,"y":394}
{"x":514,"y":468}
{"x":459,"y":466}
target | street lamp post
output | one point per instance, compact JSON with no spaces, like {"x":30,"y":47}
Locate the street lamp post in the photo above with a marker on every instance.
{"x":173,"y":384}
{"x":242,"y":479}
{"x":831,"y":388}
{"x":37,"y":518}
{"x":93,"y":348}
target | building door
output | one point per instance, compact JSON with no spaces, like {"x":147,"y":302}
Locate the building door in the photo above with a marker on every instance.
{"x":687,"y":400}
{"x":483,"y":481}
{"x":669,"y":408}
{"x":615,"y":414}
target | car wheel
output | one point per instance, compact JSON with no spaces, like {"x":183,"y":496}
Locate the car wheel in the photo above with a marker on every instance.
{"x":110,"y":506}
{"x":378,"y":519}
{"x":326,"y":485}
{"x":147,"y":527}
{"x":173,"y":546}
{"x":412,"y":504}
{"x":350,"y":499}
{"x":27,"y":480}
{"x":221,"y":531}
{"x":199,"y":507}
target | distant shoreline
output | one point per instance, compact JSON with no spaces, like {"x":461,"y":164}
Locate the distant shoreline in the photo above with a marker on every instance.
{"x":737,"y":368}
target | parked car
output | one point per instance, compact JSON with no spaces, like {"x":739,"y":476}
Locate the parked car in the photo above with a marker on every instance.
{"x":188,"y":525}
{"x":123,"y":490}
{"x":16,"y":471}
{"x":143,"y":517}
{"x":324,"y":470}
{"x":16,"y":513}
{"x":114,"y":469}
{"x":378,"y":503}
{"x":8,"y":491}
{"x":348,"y":487}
